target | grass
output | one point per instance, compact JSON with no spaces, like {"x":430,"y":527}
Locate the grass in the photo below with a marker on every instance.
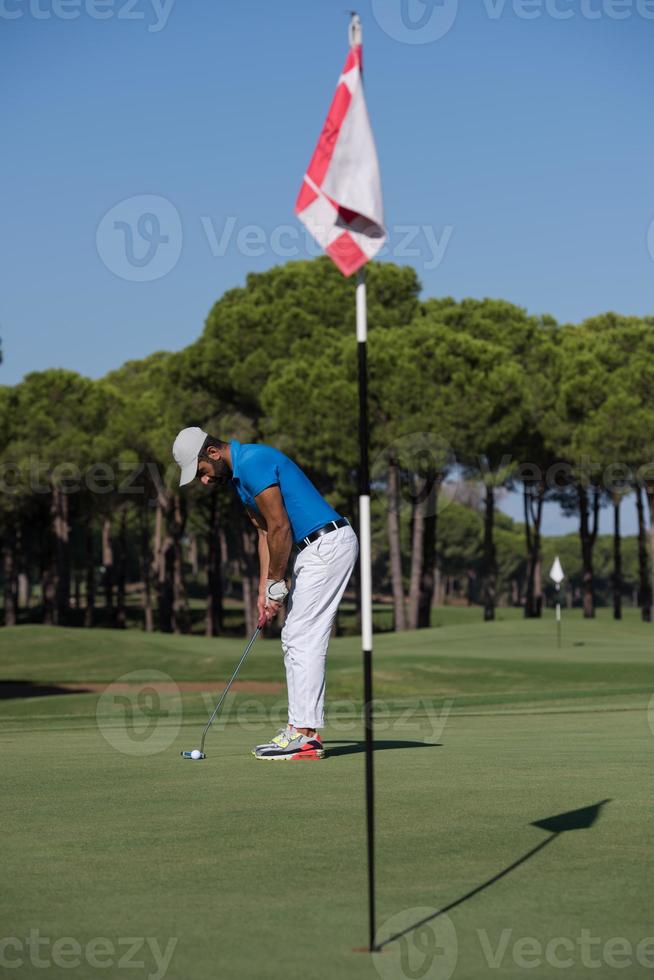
{"x":247,"y":870}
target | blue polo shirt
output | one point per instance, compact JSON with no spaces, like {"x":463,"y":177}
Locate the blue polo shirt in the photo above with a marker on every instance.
{"x":256,"y":467}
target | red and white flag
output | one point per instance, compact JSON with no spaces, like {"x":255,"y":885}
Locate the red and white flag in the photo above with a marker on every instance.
{"x":340,"y":201}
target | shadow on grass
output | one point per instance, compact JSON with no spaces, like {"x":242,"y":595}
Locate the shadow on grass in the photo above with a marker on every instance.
{"x":349,"y":747}
{"x":581,"y":819}
{"x":28,"y":689}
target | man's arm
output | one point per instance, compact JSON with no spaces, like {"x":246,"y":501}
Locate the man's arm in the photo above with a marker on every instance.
{"x":264,"y":562}
{"x":279,"y":537}
{"x":274,"y":546}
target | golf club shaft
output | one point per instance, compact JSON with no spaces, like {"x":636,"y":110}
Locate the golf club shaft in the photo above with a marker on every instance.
{"x":229,"y":684}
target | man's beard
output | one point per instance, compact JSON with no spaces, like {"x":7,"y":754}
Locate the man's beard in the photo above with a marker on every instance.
{"x":221,"y":472}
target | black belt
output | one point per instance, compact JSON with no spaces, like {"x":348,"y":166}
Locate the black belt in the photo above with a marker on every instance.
{"x":325,"y":529}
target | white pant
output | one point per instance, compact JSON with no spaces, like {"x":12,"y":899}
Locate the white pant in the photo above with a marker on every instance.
{"x":320,"y":574}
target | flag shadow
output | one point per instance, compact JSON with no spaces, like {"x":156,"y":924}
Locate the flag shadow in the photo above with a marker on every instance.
{"x":581,"y":819}
{"x":350,"y":747}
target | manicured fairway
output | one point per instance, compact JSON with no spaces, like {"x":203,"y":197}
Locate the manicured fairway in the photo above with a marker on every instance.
{"x":242,"y":869}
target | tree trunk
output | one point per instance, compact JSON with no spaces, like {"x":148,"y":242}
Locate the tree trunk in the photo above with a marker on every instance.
{"x":146,"y":572}
{"x":439,"y":594}
{"x":108,"y":563}
{"x":159,"y":568}
{"x":164,"y":562}
{"x":645,"y":586}
{"x":165,"y":585}
{"x":10,"y":580}
{"x":61,"y":532}
{"x":23,"y":590}
{"x":587,"y":536}
{"x":533,"y":498}
{"x":172,"y":599}
{"x":417,"y":544}
{"x":181,"y":618}
{"x":428,"y":577}
{"x":617,"y":559}
{"x":471,"y":584}
{"x":48,"y":590}
{"x":490,"y":560}
{"x":213,"y":623}
{"x":193,"y":555}
{"x":394,"y":544}
{"x":248,"y":551}
{"x":224,"y":562}
{"x":121,"y":571}
{"x":21,"y":571}
{"x":89,"y":611}
{"x":538,"y":587}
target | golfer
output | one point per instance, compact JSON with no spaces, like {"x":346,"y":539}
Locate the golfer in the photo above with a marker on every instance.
{"x":288,"y":512}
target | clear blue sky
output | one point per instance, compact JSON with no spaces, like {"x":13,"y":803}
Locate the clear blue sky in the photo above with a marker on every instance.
{"x":529,"y":138}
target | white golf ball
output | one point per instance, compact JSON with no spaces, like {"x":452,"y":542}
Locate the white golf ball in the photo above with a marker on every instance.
{"x":196,"y":754}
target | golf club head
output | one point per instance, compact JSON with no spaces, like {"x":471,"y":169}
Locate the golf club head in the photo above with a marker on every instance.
{"x":189,"y":755}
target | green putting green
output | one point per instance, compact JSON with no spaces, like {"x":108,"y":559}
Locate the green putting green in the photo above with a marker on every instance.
{"x":121,"y":852}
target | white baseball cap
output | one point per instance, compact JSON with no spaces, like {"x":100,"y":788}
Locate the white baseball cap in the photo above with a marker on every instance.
{"x":186,"y":449}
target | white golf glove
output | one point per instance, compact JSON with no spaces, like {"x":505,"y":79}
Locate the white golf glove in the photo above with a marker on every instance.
{"x":276,"y":590}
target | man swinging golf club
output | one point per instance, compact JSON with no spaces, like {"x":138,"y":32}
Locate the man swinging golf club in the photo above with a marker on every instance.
{"x":288,"y":512}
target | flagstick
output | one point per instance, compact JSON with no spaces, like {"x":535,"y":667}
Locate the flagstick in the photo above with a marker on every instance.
{"x":366,"y":589}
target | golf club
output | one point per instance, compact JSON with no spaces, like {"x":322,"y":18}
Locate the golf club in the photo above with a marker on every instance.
{"x":196,"y":754}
